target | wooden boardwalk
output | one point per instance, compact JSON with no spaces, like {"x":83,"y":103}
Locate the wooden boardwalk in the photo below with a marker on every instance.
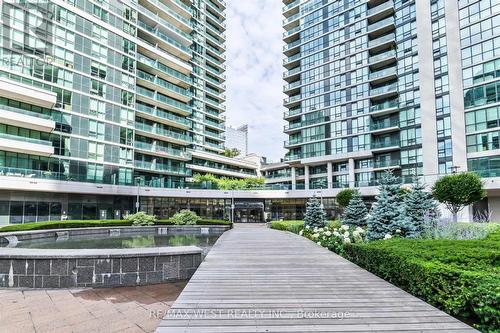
{"x":261,"y":280}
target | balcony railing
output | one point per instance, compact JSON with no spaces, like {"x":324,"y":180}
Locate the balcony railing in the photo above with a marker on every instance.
{"x":162,"y":114}
{"x":382,"y":73}
{"x":163,"y":68}
{"x":161,"y":149}
{"x":163,"y":83}
{"x":381,"y":56}
{"x":380,"y":24}
{"x":386,"y":163}
{"x":25,"y":139}
{"x":381,"y":40}
{"x":385,"y":143}
{"x":384,"y":89}
{"x":385,"y":105}
{"x":384,"y":124}
{"x":385,"y":5}
{"x":162,"y":98}
{"x":164,"y":37}
{"x":163,"y":132}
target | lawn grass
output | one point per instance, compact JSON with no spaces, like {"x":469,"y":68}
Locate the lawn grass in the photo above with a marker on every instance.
{"x":91,"y":224}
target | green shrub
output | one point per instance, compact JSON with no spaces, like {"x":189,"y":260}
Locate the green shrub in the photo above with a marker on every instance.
{"x":65,"y":225}
{"x":335,"y":224}
{"x":461,"y":231}
{"x":185,"y":217}
{"x":292,"y":226}
{"x":459,"y":277}
{"x":141,"y":219}
{"x":91,"y":224}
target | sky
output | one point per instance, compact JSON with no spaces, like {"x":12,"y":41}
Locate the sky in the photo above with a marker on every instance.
{"x":254,"y":73}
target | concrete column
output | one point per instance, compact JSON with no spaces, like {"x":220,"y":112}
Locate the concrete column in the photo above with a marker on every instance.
{"x":294,"y":179}
{"x":352,"y":178}
{"x":306,"y":177}
{"x":427,"y":91}
{"x":329,"y":172}
{"x":456,"y":86}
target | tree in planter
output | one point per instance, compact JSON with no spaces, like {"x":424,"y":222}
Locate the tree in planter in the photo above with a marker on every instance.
{"x":387,"y":209}
{"x":344,"y":197}
{"x":355,"y":213}
{"x":420,"y":212}
{"x":458,"y":190}
{"x":315,"y":215}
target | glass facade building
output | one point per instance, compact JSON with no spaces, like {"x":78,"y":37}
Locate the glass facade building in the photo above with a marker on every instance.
{"x":382,"y":84}
{"x":113,"y":92}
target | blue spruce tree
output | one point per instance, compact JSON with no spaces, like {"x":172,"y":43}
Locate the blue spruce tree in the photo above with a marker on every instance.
{"x":315,"y":215}
{"x":355,"y":213}
{"x":420,"y":212}
{"x":387,"y":209}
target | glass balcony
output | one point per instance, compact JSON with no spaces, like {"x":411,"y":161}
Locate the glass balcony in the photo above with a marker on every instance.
{"x":292,"y":85}
{"x":292,"y":112}
{"x":162,"y":21}
{"x":163,"y":132}
{"x":292,"y":58}
{"x":171,"y":12}
{"x":292,"y":71}
{"x":381,"y":56}
{"x":163,"y":99}
{"x":292,"y":31}
{"x":390,"y":104}
{"x":292,"y":99}
{"x":386,"y":143}
{"x":161,"y":149}
{"x":291,"y":45}
{"x":381,"y":40}
{"x":382,"y":73}
{"x":291,"y":18}
{"x":380,"y":24}
{"x":163,"y":68}
{"x":384,"y":89}
{"x":291,"y":5}
{"x":163,"y":83}
{"x":165,"y":38}
{"x":159,"y":167}
{"x":386,"y":163}
{"x":25,"y":139}
{"x":387,"y":123}
{"x":162,"y":114}
{"x":381,"y":7}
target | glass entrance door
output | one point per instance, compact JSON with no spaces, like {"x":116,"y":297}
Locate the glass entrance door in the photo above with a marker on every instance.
{"x":249,"y":212}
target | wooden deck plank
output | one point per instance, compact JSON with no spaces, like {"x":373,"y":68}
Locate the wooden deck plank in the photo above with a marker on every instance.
{"x":261,"y":280}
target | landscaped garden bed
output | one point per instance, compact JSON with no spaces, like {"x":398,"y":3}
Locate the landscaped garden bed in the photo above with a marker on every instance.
{"x":453,"y":266}
{"x":93,"y":224}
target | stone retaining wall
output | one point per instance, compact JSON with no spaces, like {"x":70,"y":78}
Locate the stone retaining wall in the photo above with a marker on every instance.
{"x":71,"y":269}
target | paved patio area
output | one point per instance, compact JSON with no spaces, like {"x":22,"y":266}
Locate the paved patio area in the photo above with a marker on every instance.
{"x":134,"y":309}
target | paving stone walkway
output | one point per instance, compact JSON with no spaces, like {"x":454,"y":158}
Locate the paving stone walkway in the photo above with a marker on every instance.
{"x":261,"y":280}
{"x":125,"y":310}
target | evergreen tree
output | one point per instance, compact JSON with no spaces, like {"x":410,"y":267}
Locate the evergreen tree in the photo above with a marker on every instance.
{"x":356,"y":212}
{"x":387,"y":209}
{"x":420,"y":212}
{"x":315,"y":215}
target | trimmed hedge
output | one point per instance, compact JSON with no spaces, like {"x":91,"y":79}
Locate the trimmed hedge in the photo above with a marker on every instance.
{"x":460,"y":277}
{"x":296,"y":225}
{"x":91,"y":224}
{"x":292,"y":226}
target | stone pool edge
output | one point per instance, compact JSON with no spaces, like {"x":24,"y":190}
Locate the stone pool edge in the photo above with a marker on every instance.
{"x":77,"y":268}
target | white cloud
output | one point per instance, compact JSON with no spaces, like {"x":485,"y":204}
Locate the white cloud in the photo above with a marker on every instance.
{"x":254,"y":73}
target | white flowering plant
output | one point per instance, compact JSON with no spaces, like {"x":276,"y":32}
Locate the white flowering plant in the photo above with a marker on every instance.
{"x":335,"y":238}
